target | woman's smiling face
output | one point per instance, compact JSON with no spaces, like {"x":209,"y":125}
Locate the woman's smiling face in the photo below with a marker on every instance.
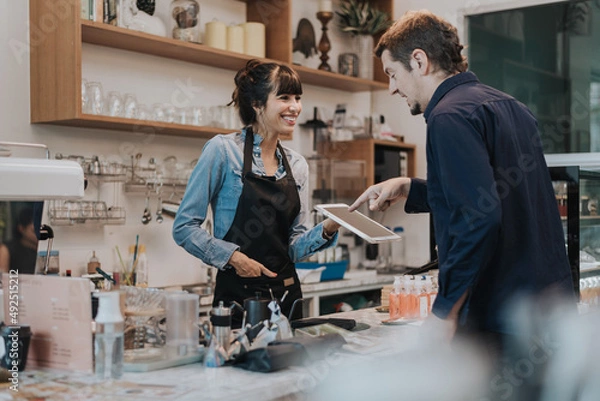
{"x":280,"y":113}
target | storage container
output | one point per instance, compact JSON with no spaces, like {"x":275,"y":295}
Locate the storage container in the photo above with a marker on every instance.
{"x":333,"y":270}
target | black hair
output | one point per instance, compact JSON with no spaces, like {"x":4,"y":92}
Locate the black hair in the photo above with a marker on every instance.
{"x":24,"y":218}
{"x":256,"y":81}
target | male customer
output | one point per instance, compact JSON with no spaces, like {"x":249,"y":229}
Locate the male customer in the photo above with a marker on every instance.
{"x":488,"y":188}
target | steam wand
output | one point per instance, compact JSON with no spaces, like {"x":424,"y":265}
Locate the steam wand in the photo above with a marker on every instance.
{"x":46,"y":233}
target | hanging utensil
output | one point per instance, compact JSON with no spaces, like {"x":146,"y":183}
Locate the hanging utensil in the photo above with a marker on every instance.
{"x":159,"y":217}
{"x":147,"y":216}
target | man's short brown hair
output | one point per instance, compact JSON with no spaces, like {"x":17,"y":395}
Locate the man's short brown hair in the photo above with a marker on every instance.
{"x":428,"y":32}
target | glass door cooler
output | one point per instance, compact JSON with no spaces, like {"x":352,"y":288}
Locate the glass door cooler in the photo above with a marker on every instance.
{"x":577,"y":193}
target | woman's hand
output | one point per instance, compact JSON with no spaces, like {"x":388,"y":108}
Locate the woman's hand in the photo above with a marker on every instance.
{"x":329,"y":228}
{"x":247,"y":267}
{"x":381,"y":196}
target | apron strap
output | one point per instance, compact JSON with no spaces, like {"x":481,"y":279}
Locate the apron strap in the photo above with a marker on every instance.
{"x":249,"y":144}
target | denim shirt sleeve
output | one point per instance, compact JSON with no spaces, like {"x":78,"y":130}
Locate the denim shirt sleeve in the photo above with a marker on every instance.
{"x":204,"y":183}
{"x":303,"y":241}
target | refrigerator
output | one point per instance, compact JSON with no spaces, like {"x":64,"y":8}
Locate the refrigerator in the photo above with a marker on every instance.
{"x":577,"y":192}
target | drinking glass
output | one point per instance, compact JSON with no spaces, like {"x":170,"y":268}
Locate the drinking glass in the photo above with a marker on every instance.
{"x":216,"y":114}
{"x":195,"y":115}
{"x":144,"y":113}
{"x":130,"y":106}
{"x":100,"y":209}
{"x":95,"y":97}
{"x":73,"y":209}
{"x":232,"y":120}
{"x":114,"y":104}
{"x":84,"y":100}
{"x":170,"y":113}
{"x":158,"y":112}
{"x":181,"y":116}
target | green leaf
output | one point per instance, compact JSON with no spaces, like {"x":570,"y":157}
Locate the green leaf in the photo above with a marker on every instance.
{"x":359,"y":18}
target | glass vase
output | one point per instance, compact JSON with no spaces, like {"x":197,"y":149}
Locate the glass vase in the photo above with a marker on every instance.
{"x":364,"y":50}
{"x":184,"y":23}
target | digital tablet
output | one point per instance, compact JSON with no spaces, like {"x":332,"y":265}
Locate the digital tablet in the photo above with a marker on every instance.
{"x":358,"y":223}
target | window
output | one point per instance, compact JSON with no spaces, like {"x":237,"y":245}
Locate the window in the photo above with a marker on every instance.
{"x":546,"y":56}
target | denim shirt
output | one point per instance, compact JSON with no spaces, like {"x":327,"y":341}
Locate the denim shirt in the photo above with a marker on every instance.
{"x":217,"y":182}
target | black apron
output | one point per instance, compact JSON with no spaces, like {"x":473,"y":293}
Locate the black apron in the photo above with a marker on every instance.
{"x":261,"y":227}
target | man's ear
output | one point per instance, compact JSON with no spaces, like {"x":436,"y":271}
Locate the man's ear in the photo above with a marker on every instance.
{"x":420,"y":61}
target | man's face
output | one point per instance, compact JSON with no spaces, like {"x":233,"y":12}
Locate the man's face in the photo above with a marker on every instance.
{"x":403,"y":82}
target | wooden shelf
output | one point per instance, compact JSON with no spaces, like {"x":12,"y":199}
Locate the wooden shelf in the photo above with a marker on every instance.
{"x":141,"y":126}
{"x":332,"y":80}
{"x":55,"y":63}
{"x":126,"y":39}
{"x":139,"y":42}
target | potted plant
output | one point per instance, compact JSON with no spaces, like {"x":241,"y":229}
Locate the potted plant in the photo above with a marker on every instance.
{"x":360,"y":19}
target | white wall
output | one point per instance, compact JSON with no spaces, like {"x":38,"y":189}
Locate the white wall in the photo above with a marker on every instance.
{"x":157,"y":80}
{"x":152,"y":79}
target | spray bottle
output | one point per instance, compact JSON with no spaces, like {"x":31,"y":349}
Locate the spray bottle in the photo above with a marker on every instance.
{"x":108,"y":341}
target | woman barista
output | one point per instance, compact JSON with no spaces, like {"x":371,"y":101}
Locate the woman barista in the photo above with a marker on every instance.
{"x":258,"y":191}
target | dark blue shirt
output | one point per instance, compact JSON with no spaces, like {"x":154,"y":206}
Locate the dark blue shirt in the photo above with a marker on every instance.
{"x":495,"y":215}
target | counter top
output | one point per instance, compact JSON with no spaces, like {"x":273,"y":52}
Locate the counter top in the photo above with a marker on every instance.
{"x":195,"y":382}
{"x":353,"y":278}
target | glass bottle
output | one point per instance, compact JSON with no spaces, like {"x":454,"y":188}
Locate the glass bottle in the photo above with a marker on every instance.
{"x":395,"y":298}
{"x":93,"y":264}
{"x":412,"y":301}
{"x":108,"y":340}
{"x":434,"y":288}
{"x":423,"y":298}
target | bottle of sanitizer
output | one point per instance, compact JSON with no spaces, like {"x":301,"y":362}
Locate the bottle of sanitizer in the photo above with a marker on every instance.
{"x":108,"y":341}
{"x":395,"y":295}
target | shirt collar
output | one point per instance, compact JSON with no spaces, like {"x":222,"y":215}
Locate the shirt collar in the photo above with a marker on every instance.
{"x":446,"y":86}
{"x":258,"y":138}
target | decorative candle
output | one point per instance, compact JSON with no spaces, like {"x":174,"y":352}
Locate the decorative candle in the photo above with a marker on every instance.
{"x":325,"y":6}
{"x":235,"y":38}
{"x":215,"y":34}
{"x":254,"y":39}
